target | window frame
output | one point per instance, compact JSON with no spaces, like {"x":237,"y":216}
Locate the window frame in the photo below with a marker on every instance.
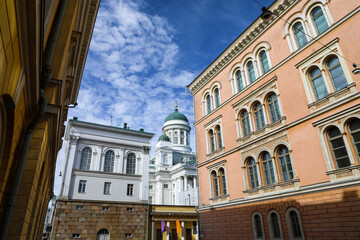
{"x":272,"y":176}
{"x":82,"y":186}
{"x":289,"y":224}
{"x":355,"y":150}
{"x":255,"y":228}
{"x":277,"y":156}
{"x":297,"y":29}
{"x":246,"y":130}
{"x":107,"y":188}
{"x":85,"y":161}
{"x":253,"y":177}
{"x":131,"y":166}
{"x":258,"y":115}
{"x":330,"y":147}
{"x":271,"y":226}
{"x":130,"y":189}
{"x":260,"y":60}
{"x":109,"y":164}
{"x":275,"y":103}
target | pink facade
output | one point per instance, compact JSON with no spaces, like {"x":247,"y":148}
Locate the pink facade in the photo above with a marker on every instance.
{"x":289,"y":124}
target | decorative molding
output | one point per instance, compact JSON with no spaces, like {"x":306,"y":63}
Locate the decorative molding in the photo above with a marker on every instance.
{"x":252,"y":33}
{"x":212,"y":121}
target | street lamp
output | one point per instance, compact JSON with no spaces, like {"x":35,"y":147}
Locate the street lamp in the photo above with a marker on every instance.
{"x":356,"y":69}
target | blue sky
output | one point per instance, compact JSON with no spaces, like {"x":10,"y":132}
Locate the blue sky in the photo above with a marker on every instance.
{"x":144,"y":52}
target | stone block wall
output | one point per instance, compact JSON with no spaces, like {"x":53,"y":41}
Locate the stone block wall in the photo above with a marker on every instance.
{"x":118,"y":218}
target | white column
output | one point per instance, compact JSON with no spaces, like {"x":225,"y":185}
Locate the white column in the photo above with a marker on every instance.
{"x":264,"y":113}
{"x":185,"y":185}
{"x":69,"y":164}
{"x":182,"y":231}
{"x":289,"y":42}
{"x":168,"y":231}
{"x":153,"y":230}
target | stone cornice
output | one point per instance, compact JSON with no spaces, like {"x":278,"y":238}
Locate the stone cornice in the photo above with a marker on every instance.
{"x":252,"y":33}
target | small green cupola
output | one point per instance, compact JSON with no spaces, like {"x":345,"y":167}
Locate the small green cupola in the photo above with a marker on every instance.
{"x":164,"y":138}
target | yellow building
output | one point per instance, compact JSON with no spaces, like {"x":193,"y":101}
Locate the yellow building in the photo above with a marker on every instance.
{"x":43,"y":48}
{"x":170,"y":214}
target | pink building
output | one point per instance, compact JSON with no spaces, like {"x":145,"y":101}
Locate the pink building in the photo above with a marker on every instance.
{"x":277,"y":118}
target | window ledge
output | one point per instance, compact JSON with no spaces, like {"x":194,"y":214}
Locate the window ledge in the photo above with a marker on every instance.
{"x":219,"y":199}
{"x":216,"y":152}
{"x":332,"y":97}
{"x":272,"y":188}
{"x":350,"y":172}
{"x":267,"y":128}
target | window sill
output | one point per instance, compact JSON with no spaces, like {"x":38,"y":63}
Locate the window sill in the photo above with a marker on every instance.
{"x":332,"y":97}
{"x":220,"y":199}
{"x":267,"y":128}
{"x":216,"y":152}
{"x":350,"y":172}
{"x":272,"y":188}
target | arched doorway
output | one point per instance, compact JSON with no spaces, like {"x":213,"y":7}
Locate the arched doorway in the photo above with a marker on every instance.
{"x":103,"y":234}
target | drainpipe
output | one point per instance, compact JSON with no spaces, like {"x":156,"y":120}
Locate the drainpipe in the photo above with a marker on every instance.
{"x":42,"y":106}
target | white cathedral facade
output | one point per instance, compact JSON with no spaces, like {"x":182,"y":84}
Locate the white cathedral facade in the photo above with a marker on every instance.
{"x":173,"y":175}
{"x":105,"y":163}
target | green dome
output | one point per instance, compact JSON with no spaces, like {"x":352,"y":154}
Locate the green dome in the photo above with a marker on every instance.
{"x":164,"y":138}
{"x":176,"y":116}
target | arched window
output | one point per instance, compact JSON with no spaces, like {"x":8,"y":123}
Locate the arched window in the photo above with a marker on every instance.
{"x":253,"y":175}
{"x":354,"y":129}
{"x":299,"y":33}
{"x":176,"y":137}
{"x":336,"y":73}
{"x":218,"y":135}
{"x":319,"y":20}
{"x":222,"y":178}
{"x":245,"y":123}
{"x":273,"y":106}
{"x":338,"y":149}
{"x":103,"y":234}
{"x":208,"y":104}
{"x":259,"y":116}
{"x":285,"y":164}
{"x":109,"y":161}
{"x":264,"y":62}
{"x":212,"y":141}
{"x":85,"y":161}
{"x":274,"y":225}
{"x":182,"y":136}
{"x":294,"y":224}
{"x":318,"y":83}
{"x":131,"y":163}
{"x":258,"y":229}
{"x":268,"y":168}
{"x":239,"y":80}
{"x":251,"y":71}
{"x":217,"y":97}
{"x":215,"y":185}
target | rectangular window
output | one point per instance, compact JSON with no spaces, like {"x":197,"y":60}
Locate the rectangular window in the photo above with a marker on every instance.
{"x":150,"y":186}
{"x":76,"y":235}
{"x":130,"y":189}
{"x":166,"y":186}
{"x":79,"y":207}
{"x":107,"y":186}
{"x":82,"y":186}
{"x":129,"y":209}
{"x":106,"y":208}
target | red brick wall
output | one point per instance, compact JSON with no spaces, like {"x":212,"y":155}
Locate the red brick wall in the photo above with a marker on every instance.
{"x":326,"y":215}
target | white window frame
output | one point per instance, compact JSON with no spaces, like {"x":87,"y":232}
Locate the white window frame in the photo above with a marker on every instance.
{"x":130,"y":189}
{"x":107,"y":188}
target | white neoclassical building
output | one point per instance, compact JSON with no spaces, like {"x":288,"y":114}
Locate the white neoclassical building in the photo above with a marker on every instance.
{"x":105,"y":163}
{"x":173,"y":175}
